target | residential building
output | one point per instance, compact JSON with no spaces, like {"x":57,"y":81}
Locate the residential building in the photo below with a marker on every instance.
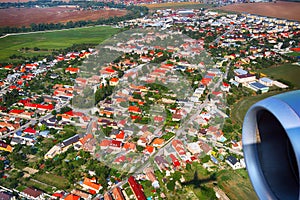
{"x":33,"y":193}
{"x":136,"y":188}
{"x":117,"y":194}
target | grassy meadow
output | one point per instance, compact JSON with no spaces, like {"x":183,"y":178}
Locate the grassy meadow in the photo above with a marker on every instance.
{"x":49,"y":41}
{"x":288,"y":72}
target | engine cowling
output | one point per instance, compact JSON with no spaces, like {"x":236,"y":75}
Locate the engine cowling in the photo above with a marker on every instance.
{"x":271,"y":144}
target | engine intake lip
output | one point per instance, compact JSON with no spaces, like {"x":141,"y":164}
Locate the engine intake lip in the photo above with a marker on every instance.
{"x":271,"y":136}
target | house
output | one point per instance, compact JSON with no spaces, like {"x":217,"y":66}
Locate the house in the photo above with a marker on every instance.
{"x":72,"y":197}
{"x":120,"y":136}
{"x":55,"y":150}
{"x":91,"y":184}
{"x":179,"y":148}
{"x":72,"y":70}
{"x":194,"y":148}
{"x":151,"y":176}
{"x":81,"y":194}
{"x":67,"y":143}
{"x":5,"y":147}
{"x":117,"y":194}
{"x":225,"y":87}
{"x":149,"y":150}
{"x":176,"y":117}
{"x":136,"y":189}
{"x":158,"y":142}
{"x":104,"y":144}
{"x":233,"y":162}
{"x":6,"y":196}
{"x":240,"y":72}
{"x":129,"y":146}
{"x":115,"y":145}
{"x":107,"y":196}
{"x":134,"y":109}
{"x":161,"y":163}
{"x":29,"y":130}
{"x":113,"y":81}
{"x":33,"y":193}
{"x":175,"y":161}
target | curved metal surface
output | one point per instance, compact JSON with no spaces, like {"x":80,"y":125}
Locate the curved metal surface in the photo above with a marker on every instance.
{"x":271,"y":136}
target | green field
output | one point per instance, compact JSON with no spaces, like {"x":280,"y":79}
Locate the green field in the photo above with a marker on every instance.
{"x":240,"y":108}
{"x":52,"y":41}
{"x":236,"y":184}
{"x":286,"y":72}
{"x":52,"y":180}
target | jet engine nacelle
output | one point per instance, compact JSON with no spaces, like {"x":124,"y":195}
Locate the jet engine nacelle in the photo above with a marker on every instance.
{"x":271,"y":144}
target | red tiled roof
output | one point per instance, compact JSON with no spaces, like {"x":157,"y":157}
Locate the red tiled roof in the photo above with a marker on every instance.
{"x":72,"y":197}
{"x":29,"y":130}
{"x":175,"y":161}
{"x":117,"y":194}
{"x":136,"y":188}
{"x":16,"y":111}
{"x":89,"y":183}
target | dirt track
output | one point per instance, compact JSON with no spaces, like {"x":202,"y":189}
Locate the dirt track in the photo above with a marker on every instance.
{"x":26,"y":16}
{"x":285,"y":10}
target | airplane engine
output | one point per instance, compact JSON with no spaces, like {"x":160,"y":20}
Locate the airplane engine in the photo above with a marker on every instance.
{"x":271,"y":144}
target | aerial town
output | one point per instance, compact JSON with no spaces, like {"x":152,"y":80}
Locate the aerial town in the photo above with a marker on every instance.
{"x":150,"y":113}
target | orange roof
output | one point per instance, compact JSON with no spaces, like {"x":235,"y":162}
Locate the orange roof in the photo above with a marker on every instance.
{"x":120,"y":135}
{"x":72,"y":69}
{"x":89,"y":182}
{"x":86,"y":138}
{"x":105,"y":143}
{"x":114,"y":79}
{"x":72,"y":197}
{"x":158,"y":141}
{"x":134,"y":109}
{"x":150,"y":149}
{"x":129,"y":145}
{"x":117,"y":193}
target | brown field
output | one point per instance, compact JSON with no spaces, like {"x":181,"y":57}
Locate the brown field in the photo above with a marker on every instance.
{"x":284,"y":10}
{"x":26,"y":16}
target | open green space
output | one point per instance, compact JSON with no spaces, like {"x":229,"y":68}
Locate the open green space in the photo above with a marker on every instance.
{"x":236,"y":184}
{"x":288,"y":72}
{"x":50,"y":41}
{"x":240,"y":108}
{"x":52,"y":180}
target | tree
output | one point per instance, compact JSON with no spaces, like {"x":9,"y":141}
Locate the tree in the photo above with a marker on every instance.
{"x":171,"y":185}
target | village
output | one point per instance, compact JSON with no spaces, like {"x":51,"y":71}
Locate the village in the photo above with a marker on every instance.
{"x":151,"y":103}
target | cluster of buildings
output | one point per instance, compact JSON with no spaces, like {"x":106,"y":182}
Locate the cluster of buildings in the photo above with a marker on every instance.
{"x":152,"y":97}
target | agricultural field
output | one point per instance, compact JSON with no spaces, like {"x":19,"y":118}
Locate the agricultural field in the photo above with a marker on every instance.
{"x":178,"y":5}
{"x":280,"y":9}
{"x":236,"y":184}
{"x":19,"y":17}
{"x":52,"y":40}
